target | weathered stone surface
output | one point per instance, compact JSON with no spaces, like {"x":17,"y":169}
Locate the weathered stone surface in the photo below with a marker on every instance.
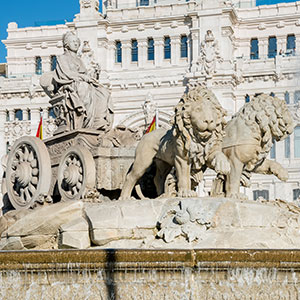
{"x":101,"y":237}
{"x":74,"y":240}
{"x":79,"y":224}
{"x":33,"y":241}
{"x":74,"y":235}
{"x":11,"y":217}
{"x":46,"y":220}
{"x":12,"y":243}
{"x":133,"y":219}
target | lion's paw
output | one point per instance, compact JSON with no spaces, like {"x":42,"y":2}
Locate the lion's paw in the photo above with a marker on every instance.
{"x":221,"y":164}
{"x":283,"y":175}
{"x":186,"y":193}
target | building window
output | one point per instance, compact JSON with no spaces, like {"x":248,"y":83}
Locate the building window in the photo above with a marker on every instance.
{"x":273,"y":150}
{"x":296,"y":97}
{"x":7,"y":116}
{"x":254,"y":49}
{"x":134,"y":50}
{"x":167,"y":47}
{"x":118,"y":52}
{"x":261,"y":193}
{"x":272,"y":94}
{"x":247,"y":98}
{"x":19,"y":114}
{"x":287,"y":147}
{"x":287,"y":97}
{"x":272,"y":50}
{"x":150,"y":49}
{"x":290,"y":45}
{"x":297,"y":141}
{"x":184,"y":46}
{"x":53,"y":62}
{"x":296,"y":194}
{"x":29,"y":114}
{"x":38,"y":65}
{"x":144,"y":2}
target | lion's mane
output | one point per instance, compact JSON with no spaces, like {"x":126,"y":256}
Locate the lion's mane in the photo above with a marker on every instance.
{"x":197,"y":149}
{"x":268,"y":116}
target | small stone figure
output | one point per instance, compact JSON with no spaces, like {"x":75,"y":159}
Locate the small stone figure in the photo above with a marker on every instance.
{"x":248,"y":140}
{"x":209,"y":54}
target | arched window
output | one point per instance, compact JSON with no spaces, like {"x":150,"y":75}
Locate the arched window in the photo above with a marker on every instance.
{"x":19,"y":114}
{"x":38,"y":65}
{"x":297,"y":141}
{"x":290,"y":45}
{"x":167,"y":47}
{"x":272,"y":49}
{"x":53,"y":62}
{"x":184,"y":46}
{"x":261,"y":193}
{"x":150,"y":49}
{"x":7,"y":116}
{"x":134,"y":50}
{"x":247,"y":98}
{"x":118,"y":52}
{"x":254,"y":50}
{"x":287,"y":97}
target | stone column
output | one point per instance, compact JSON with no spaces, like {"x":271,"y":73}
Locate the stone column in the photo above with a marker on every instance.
{"x":195,"y":47}
{"x":126,"y":54}
{"x":111,"y":55}
{"x":46,"y":64}
{"x":11,"y":115}
{"x":30,"y":65}
{"x":175,"y":50}
{"x":263,"y":48}
{"x":297,"y":37}
{"x":35,"y":119}
{"x":25,"y":115}
{"x":142,"y":52}
{"x":158,"y":51}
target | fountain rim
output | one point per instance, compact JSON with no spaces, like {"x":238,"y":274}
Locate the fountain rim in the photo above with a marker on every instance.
{"x":159,"y":259}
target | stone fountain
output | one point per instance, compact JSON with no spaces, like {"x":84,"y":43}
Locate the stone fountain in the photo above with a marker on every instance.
{"x":65,"y":236}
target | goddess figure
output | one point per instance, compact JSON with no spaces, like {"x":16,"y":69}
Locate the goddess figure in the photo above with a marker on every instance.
{"x":87,"y":103}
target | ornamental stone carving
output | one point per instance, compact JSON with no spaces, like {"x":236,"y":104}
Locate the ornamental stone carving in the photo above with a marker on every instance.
{"x":209,"y":54}
{"x":149,"y":108}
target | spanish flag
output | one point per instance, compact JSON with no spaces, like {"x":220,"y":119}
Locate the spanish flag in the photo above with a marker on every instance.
{"x":39,"y":133}
{"x":152,"y":126}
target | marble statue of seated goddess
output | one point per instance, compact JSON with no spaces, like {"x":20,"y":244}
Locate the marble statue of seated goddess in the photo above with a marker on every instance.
{"x":87,"y":104}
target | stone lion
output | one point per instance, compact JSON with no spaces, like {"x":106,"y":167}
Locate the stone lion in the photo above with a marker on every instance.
{"x":191,"y":145}
{"x":248,"y":140}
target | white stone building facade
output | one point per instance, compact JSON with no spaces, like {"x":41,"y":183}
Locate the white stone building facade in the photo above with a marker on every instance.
{"x":150,"y":50}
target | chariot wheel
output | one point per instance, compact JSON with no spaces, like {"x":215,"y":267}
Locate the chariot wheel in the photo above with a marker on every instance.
{"x":28,"y":172}
{"x":76,"y":173}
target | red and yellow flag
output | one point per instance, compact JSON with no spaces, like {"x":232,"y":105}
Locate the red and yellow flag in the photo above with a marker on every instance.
{"x":39,"y":133}
{"x":152,"y":126}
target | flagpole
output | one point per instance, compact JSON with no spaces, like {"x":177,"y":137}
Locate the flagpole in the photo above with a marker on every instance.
{"x":156,"y":119}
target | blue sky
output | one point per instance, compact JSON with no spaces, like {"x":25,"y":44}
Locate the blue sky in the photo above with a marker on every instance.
{"x":28,"y":12}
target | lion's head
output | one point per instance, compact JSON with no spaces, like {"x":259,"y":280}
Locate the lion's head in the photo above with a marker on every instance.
{"x":199,"y":117}
{"x":270,"y":117}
